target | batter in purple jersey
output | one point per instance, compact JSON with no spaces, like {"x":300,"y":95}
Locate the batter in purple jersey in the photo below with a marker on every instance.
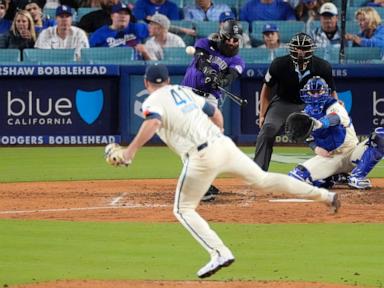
{"x":216,"y":62}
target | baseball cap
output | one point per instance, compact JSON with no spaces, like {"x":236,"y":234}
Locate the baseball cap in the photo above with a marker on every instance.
{"x":39,"y":3}
{"x":63,"y":9}
{"x":161,"y":19}
{"x":156,"y":73}
{"x":270,"y":28}
{"x":120,"y":7}
{"x":328,"y":8}
{"x":308,"y":1}
{"x":227,"y":15}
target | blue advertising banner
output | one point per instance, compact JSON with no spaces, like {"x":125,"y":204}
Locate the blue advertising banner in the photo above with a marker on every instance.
{"x":132,"y":81}
{"x":58,"y":70}
{"x":59,"y":110}
{"x":99,"y":104}
{"x":363,"y":98}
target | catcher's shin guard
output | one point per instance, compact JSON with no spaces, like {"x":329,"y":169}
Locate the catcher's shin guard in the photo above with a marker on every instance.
{"x":371,"y":156}
{"x":301,"y":173}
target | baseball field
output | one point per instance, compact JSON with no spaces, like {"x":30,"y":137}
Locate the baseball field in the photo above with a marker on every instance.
{"x":67,"y":219}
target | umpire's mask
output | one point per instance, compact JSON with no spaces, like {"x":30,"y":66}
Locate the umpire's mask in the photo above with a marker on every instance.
{"x":230,"y":35}
{"x":301,"y":49}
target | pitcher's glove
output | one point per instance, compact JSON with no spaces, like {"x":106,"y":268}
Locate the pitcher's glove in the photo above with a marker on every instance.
{"x":299,"y":126}
{"x":113,"y":154}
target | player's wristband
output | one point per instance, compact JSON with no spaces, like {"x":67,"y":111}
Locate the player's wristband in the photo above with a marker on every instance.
{"x":325,"y":122}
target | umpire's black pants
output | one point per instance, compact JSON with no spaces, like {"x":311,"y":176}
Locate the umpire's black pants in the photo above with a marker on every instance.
{"x":276,"y":115}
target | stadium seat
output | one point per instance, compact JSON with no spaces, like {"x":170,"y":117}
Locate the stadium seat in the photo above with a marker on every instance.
{"x":205,"y":28}
{"x":337,"y":3}
{"x":245,"y":26}
{"x":287,"y":29}
{"x":106,"y":55}
{"x":256,"y":55}
{"x":49,"y":56}
{"x":9,"y":56}
{"x":363,"y":55}
{"x":351,"y":12}
{"x":358,"y":3}
{"x":179,"y":3}
{"x":188,"y":40}
{"x":330,"y":54}
{"x":83,"y":11}
{"x":380,"y":10}
{"x":50,"y":12}
{"x":352,"y":26}
{"x":176,"y":55}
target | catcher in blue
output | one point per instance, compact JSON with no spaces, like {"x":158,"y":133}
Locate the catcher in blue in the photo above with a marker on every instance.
{"x":192,"y":128}
{"x":330,"y":133}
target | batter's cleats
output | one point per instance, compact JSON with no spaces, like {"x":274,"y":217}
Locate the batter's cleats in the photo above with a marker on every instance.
{"x":358,"y":183}
{"x":210,"y":195}
{"x":335,"y":203}
{"x":216,"y":263}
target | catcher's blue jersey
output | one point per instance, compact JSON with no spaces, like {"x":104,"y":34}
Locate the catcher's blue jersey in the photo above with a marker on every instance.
{"x":332,"y":137}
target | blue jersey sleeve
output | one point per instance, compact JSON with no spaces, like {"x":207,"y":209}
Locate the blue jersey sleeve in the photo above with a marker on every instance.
{"x":97,"y":38}
{"x":141,"y":31}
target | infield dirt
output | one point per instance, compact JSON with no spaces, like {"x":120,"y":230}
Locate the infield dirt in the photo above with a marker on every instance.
{"x":129,"y":200}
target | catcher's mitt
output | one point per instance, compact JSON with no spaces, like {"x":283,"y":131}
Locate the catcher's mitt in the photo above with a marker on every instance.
{"x":299,"y":126}
{"x":113,"y":154}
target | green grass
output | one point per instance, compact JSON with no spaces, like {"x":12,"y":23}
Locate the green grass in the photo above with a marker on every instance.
{"x":36,"y":251}
{"x":83,"y":163}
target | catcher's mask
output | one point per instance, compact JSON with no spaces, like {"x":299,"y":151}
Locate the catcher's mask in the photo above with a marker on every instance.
{"x":301,"y":49}
{"x":230,"y":34}
{"x":315,"y":93}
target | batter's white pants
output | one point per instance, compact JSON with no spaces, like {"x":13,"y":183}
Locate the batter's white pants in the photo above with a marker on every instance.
{"x":223,"y":156}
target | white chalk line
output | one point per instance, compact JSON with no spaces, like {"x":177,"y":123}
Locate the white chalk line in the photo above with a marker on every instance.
{"x":115,"y":200}
{"x":290,"y":200}
{"x":85,"y":208}
{"x":130,"y":206}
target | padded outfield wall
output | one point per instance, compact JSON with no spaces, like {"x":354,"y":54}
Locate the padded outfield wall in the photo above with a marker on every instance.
{"x":98,"y":104}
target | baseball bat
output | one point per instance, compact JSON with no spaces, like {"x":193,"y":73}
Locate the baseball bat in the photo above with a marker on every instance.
{"x":241,"y":102}
{"x":342,"y":31}
{"x":190,"y":50}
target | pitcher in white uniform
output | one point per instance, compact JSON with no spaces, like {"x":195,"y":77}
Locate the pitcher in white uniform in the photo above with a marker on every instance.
{"x":192,"y":128}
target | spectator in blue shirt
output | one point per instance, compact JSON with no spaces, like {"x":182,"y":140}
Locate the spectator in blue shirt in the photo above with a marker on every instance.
{"x":36,"y":10}
{"x":267,"y":10}
{"x":5,"y":24}
{"x":205,"y":10}
{"x":122,"y":33}
{"x":145,"y":8}
{"x":371,"y":30}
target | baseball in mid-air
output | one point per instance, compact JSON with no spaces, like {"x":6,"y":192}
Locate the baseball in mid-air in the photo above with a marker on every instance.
{"x":190,"y":50}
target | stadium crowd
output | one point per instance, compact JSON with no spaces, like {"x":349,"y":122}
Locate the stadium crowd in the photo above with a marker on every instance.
{"x":149,"y":26}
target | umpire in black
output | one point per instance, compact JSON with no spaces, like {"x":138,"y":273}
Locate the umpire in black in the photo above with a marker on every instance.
{"x":280,"y":94}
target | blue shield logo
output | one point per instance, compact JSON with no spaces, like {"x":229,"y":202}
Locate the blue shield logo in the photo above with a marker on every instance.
{"x":89,"y":104}
{"x":346,"y":97}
